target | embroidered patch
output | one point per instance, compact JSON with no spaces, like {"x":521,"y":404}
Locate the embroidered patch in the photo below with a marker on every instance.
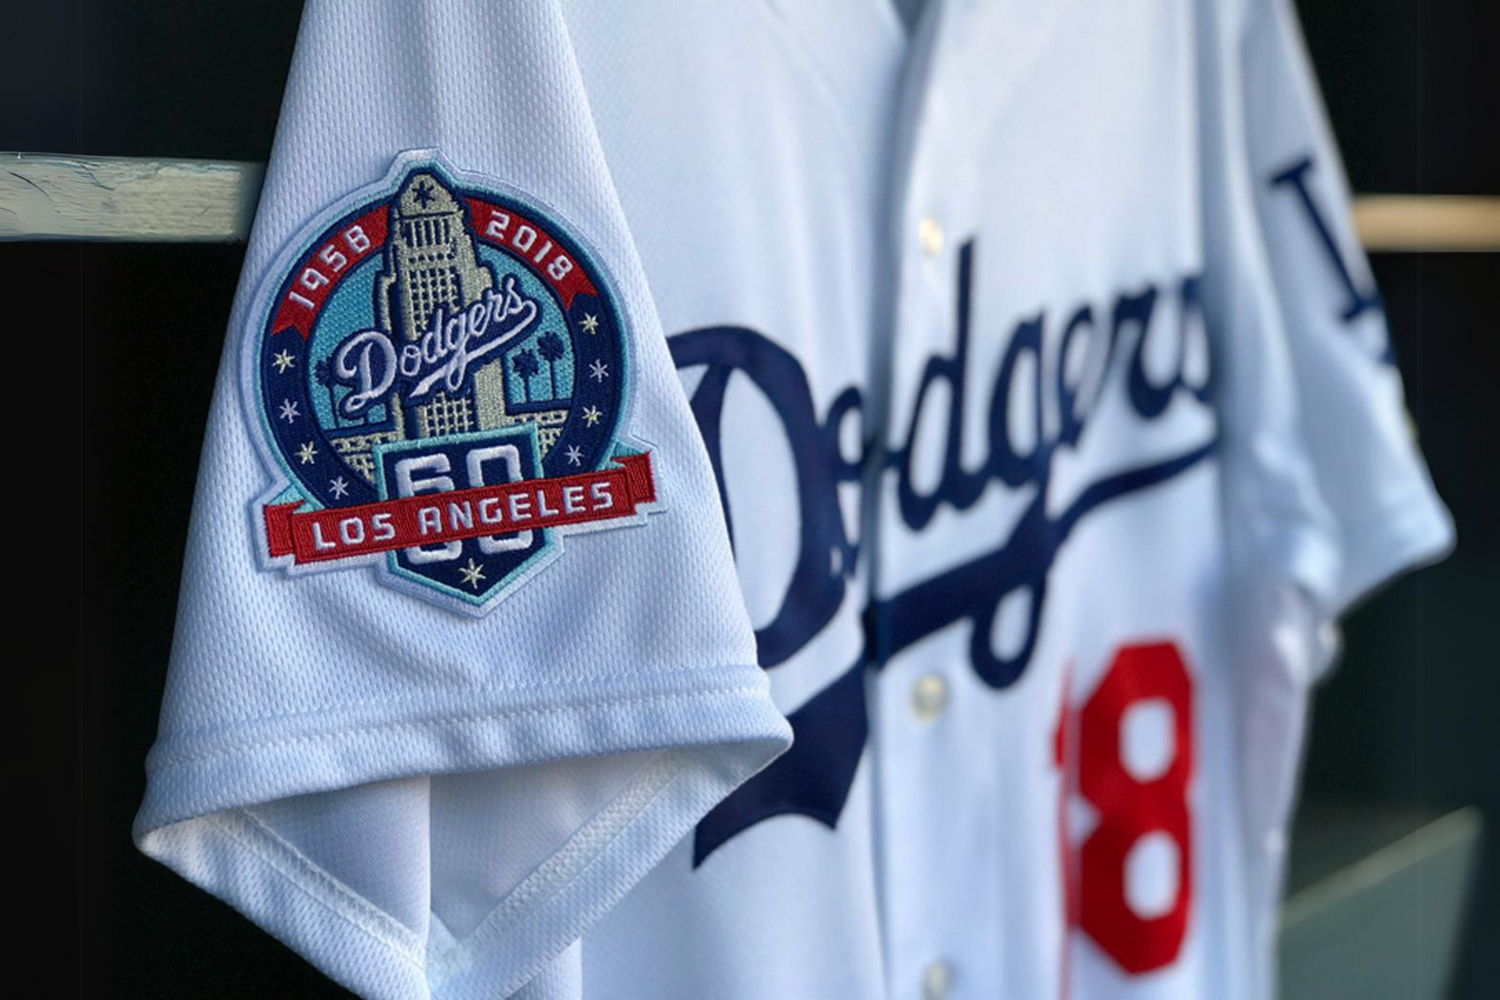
{"x":440,"y":373}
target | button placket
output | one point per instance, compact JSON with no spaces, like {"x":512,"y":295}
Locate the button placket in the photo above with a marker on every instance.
{"x":937,"y":981}
{"x":930,"y":235}
{"x":929,"y":697}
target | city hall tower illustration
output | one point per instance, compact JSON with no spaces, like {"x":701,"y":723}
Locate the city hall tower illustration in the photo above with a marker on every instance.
{"x":431,"y":264}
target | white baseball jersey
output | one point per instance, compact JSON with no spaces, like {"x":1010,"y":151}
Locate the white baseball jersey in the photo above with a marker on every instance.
{"x":998,"y":413}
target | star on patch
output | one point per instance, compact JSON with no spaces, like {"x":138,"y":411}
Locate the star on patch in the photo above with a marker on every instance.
{"x":590,"y":323}
{"x":472,"y":573}
{"x":339,"y":487}
{"x":599,"y":371}
{"x":283,"y":361}
{"x":575,"y":454}
{"x":592,"y":415}
{"x":307,"y":453}
{"x":289,"y":410}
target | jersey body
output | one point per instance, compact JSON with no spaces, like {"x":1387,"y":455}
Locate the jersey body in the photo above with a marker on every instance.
{"x":1096,"y":576}
{"x":1020,"y":362}
{"x":758,"y":208}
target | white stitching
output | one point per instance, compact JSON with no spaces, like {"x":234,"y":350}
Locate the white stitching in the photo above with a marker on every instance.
{"x":565,"y":866}
{"x":182,"y":758}
{"x":540,"y":685}
{"x":341,"y":893}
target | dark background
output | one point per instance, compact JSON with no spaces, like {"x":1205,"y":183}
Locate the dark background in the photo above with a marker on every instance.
{"x":119,"y":346}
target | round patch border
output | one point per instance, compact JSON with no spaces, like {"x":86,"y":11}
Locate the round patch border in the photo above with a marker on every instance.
{"x":294,"y":492}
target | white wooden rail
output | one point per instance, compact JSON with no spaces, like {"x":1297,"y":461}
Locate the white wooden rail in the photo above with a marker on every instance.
{"x":118,"y":199}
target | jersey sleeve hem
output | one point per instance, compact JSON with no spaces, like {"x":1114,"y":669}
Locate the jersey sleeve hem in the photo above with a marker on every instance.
{"x":199,"y":819}
{"x":1305,"y":555}
{"x":245,"y":763}
{"x":1413,"y":532}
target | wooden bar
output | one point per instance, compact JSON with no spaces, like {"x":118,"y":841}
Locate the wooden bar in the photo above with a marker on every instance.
{"x":118,"y":199}
{"x":46,"y":197}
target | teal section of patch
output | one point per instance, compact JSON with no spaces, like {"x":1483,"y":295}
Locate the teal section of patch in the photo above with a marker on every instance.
{"x":351,"y":307}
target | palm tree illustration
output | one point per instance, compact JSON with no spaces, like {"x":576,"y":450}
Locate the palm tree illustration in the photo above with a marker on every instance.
{"x":525,"y":365}
{"x":323,"y":373}
{"x":552,"y":348}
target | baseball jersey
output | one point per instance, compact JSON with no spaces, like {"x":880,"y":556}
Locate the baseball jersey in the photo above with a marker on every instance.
{"x":765,"y":500}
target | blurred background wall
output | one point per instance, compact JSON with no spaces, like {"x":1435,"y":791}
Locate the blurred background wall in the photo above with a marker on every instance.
{"x":1411,"y":719}
{"x":127,"y":345}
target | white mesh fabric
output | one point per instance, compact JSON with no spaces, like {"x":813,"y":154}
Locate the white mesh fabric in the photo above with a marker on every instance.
{"x":422,"y":803}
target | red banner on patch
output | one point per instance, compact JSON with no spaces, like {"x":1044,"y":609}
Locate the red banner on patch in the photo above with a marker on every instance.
{"x":433,"y":518}
{"x":317,"y":274}
{"x":531,"y":243}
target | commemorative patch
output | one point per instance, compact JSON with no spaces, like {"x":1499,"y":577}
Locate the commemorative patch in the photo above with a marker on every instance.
{"x":440,"y":372}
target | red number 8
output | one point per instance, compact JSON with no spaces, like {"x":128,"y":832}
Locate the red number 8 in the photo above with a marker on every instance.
{"x":1130,"y":808}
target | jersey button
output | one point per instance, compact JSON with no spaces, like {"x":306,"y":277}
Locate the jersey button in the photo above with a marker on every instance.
{"x":929,"y":696}
{"x":937,"y":980}
{"x":930,"y":235}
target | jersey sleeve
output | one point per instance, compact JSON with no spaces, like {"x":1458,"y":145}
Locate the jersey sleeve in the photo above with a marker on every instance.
{"x":423,"y":754}
{"x":1316,"y":425}
{"x":1349,"y":389}
{"x":1326,"y":494}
